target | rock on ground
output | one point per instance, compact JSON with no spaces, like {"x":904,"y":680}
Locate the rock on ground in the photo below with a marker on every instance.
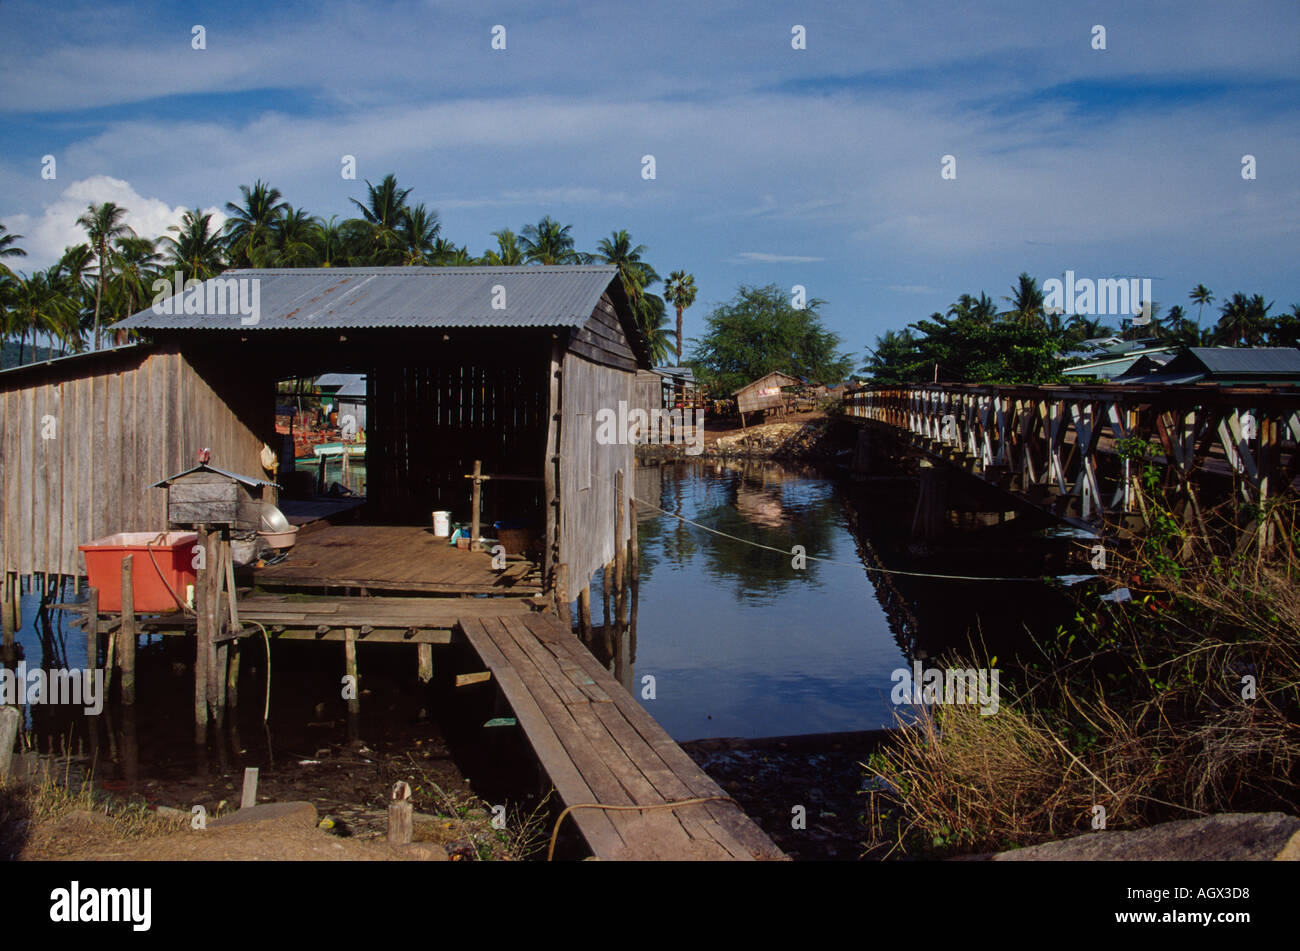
{"x":1231,"y":837}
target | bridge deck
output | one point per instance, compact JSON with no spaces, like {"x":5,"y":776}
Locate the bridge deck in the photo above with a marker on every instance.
{"x":598,"y":745}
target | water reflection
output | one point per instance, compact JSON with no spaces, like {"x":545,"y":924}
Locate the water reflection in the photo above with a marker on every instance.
{"x":740,"y":642}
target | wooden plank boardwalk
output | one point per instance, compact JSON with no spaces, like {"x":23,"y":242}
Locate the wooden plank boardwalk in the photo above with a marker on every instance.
{"x":598,"y":745}
{"x":394,"y":558}
{"x":414,"y":620}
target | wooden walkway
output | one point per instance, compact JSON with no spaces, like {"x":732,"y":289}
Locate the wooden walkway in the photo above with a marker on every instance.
{"x":598,"y":745}
{"x":393,"y":558}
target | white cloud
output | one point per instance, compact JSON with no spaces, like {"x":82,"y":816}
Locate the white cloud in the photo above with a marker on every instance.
{"x":47,"y":235}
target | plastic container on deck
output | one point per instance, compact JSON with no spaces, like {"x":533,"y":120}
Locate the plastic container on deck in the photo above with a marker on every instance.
{"x":160,"y":560}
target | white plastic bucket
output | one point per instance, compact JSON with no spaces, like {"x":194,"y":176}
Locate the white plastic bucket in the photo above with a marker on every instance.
{"x":442,"y":524}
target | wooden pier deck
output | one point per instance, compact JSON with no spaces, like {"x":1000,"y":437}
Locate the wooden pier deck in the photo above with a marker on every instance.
{"x":599,"y":746}
{"x":393,"y":558}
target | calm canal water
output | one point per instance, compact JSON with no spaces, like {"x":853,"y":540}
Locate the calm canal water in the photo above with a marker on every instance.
{"x":741,"y":643}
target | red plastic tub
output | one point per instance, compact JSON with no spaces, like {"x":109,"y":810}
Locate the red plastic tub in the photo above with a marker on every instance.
{"x":172,"y":553}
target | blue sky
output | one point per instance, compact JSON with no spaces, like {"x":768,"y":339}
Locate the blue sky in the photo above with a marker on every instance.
{"x":818,"y":167}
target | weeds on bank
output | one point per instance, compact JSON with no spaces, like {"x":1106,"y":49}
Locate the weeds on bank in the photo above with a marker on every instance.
{"x":467,"y":821}
{"x":29,"y":811}
{"x":1183,"y":701}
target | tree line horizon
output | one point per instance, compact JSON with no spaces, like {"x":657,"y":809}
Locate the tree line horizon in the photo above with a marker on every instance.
{"x":760,"y":329}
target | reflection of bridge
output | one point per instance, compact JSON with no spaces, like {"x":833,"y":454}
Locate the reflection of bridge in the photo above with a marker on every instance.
{"x":1055,"y":447}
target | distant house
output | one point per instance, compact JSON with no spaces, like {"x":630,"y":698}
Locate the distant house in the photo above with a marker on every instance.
{"x":349,"y":395}
{"x":1106,"y":358}
{"x":1259,"y":366}
{"x":763,"y":394}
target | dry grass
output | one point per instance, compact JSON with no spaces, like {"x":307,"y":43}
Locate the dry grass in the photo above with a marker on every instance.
{"x":1145,"y":710}
{"x":34,"y":817}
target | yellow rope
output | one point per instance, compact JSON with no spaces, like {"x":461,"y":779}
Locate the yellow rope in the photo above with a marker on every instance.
{"x":550,"y":852}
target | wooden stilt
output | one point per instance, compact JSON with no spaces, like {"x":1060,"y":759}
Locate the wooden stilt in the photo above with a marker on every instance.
{"x":606,"y":585}
{"x":92,"y":628}
{"x":584,"y":614}
{"x":202,"y":634}
{"x":563,"y":606}
{"x":425,"y":652}
{"x":127,"y":633}
{"x":350,"y":661}
{"x":232,"y":675}
{"x":216,"y":674}
{"x":8,"y":597}
{"x":620,"y":556}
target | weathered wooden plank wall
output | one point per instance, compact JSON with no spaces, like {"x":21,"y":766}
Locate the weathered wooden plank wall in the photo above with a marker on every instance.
{"x":81,"y":441}
{"x":430,"y":422}
{"x":587,"y":469}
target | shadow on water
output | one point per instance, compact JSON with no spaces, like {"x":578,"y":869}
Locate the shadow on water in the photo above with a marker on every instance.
{"x":746,"y":639}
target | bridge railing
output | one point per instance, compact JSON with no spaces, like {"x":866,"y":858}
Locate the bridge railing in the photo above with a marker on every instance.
{"x":1057,"y":444}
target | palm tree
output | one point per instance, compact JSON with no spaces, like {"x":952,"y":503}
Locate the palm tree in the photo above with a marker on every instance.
{"x":292,"y":238}
{"x":549,"y":242}
{"x":1087,"y":328}
{"x":327,"y":238}
{"x":248,"y":229}
{"x":196,"y":249}
{"x":450,"y":254}
{"x":9,"y":249}
{"x":982,"y":310}
{"x":618,"y":250}
{"x":38,"y":304}
{"x":137,"y":263}
{"x":1233,"y":326}
{"x":104,"y":225}
{"x":78,"y":272}
{"x":680,"y":291}
{"x":419,"y":230}
{"x":1201,"y":294}
{"x":508,"y":253}
{"x":652,"y":317}
{"x":383,"y":211}
{"x":1026,"y":301}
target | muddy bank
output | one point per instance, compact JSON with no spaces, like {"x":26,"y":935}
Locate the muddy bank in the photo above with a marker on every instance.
{"x":804,"y":437}
{"x":823,"y":773}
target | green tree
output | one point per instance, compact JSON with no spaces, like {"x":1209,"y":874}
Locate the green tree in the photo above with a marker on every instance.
{"x":293,"y":239}
{"x":195,"y":249}
{"x":327,"y":239}
{"x":680,"y":291}
{"x":507,"y":253}
{"x":549,"y":242}
{"x":136,"y":265}
{"x":760,"y":330}
{"x":382,"y":212}
{"x":1202,"y":296}
{"x":9,"y":249}
{"x":250,"y":227}
{"x":104,"y":224}
{"x":420,"y":233}
{"x":39,"y":305}
{"x":893,"y":359}
{"x":1026,"y":301}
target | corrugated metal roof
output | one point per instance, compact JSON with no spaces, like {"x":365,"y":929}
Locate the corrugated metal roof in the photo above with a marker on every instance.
{"x":348,"y":298}
{"x":1238,"y":360}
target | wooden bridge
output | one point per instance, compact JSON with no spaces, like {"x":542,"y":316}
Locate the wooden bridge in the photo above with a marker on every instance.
{"x":1057,"y":447}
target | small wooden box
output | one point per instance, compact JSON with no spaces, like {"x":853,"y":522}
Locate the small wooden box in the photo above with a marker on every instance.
{"x":207,"y":496}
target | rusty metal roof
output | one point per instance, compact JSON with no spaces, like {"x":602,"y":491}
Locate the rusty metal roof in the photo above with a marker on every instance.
{"x":338,"y":298}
